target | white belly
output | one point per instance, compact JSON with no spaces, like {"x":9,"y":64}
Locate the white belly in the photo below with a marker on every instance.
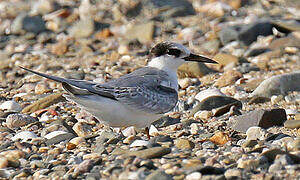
{"x":113,"y":113}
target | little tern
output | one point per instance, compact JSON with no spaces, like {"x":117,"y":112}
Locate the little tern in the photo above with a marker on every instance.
{"x":138,"y":98}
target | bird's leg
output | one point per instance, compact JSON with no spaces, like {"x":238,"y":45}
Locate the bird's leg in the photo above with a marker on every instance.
{"x":147,"y":132}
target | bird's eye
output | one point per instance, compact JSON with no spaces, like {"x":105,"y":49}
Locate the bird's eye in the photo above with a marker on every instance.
{"x":174,"y":52}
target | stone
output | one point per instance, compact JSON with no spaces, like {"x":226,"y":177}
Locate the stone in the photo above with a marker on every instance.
{"x":230,"y":173}
{"x":260,"y":118}
{"x":212,"y":46}
{"x":194,"y":128}
{"x":214,"y":9}
{"x":184,"y":82}
{"x":249,"y":164}
{"x":184,"y":144}
{"x":204,"y":115}
{"x":44,"y":103}
{"x":283,"y":159}
{"x":59,"y":138}
{"x":11,"y":106}
{"x":224,"y":59}
{"x":83,"y":167}
{"x":278,"y":85}
{"x":214,"y":102}
{"x":24,"y":136}
{"x":193,"y":70}
{"x":208,"y":93}
{"x":153,"y":131}
{"x":294,"y":145}
{"x":129,"y":131}
{"x":82,"y":28}
{"x":228,"y":78}
{"x":104,"y":34}
{"x":255,"y":133}
{"x":54,"y":133}
{"x":3,"y":162}
{"x":288,"y":41}
{"x":155,"y":152}
{"x":142,"y":32}
{"x":34,"y":24}
{"x":272,"y":153}
{"x":82,"y":129}
{"x":19,"y":120}
{"x":228,"y":34}
{"x":208,"y":145}
{"x":158,"y":175}
{"x":292,"y":124}
{"x":59,"y":48}
{"x":220,"y":138}
{"x":250,"y":32}
{"x":139,"y":143}
{"x":194,"y":176}
{"x":172,"y":8}
{"x":275,"y":168}
{"x":165,"y":121}
{"x":17,"y":24}
{"x":287,"y":24}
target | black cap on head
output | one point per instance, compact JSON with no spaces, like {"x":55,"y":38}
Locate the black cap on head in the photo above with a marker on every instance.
{"x":177,"y":50}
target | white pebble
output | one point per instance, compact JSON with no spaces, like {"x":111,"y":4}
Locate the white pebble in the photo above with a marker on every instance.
{"x":139,"y":143}
{"x":24,"y":136}
{"x":11,"y":106}
{"x":194,"y":176}
{"x":53,"y":134}
{"x":153,"y":131}
{"x":208,"y":93}
{"x":255,"y":133}
{"x":130,"y":131}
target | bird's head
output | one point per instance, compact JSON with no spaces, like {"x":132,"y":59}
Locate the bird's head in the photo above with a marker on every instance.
{"x":172,"y":55}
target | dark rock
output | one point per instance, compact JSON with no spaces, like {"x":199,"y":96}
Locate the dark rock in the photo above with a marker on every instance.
{"x":173,"y":8}
{"x":207,"y":170}
{"x":228,"y":34}
{"x":247,"y":67}
{"x":59,"y":138}
{"x":165,"y":121}
{"x":34,"y":24}
{"x":258,"y":100}
{"x":224,"y":109}
{"x":159,"y":175}
{"x":249,"y":33}
{"x":213,"y":102}
{"x":261,"y":118}
{"x":246,"y":33}
{"x":255,"y":52}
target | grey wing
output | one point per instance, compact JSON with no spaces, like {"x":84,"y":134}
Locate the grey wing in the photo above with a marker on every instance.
{"x":143,"y":90}
{"x":156,"y":100}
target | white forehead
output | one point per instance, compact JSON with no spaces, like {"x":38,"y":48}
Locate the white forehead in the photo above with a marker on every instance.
{"x":181,"y":47}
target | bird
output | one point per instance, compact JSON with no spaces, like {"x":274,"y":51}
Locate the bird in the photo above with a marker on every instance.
{"x":135,"y":99}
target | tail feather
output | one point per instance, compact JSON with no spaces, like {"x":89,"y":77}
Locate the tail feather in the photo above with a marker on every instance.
{"x":54,"y":78}
{"x":71,"y":85}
